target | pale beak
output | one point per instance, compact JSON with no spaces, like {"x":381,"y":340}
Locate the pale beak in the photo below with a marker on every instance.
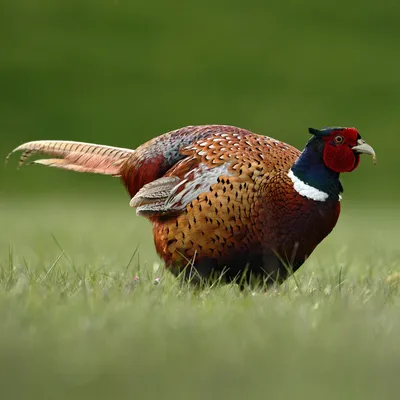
{"x":364,"y":148}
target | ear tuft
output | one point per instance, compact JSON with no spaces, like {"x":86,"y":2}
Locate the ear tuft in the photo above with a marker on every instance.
{"x":320,"y":132}
{"x":314,"y":131}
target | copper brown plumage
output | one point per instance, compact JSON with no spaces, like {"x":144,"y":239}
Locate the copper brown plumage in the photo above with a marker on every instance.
{"x":223,"y":199}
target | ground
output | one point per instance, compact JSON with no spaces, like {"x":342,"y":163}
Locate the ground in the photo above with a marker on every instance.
{"x":84,"y":315}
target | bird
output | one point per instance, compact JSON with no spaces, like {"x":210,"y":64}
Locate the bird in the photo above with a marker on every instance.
{"x":225,"y":203}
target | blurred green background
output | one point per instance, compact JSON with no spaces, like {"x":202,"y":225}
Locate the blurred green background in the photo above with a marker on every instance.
{"x":121,"y":72}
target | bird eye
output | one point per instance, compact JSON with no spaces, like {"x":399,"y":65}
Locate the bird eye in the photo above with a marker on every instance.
{"x":339,"y":139}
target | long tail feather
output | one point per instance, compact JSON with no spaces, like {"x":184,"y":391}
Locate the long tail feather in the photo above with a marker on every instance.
{"x":76,"y":156}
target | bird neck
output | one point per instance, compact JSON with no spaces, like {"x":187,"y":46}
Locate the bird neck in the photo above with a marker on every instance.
{"x":311,"y":177}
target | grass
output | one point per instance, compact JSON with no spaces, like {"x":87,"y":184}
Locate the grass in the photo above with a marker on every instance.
{"x":77,"y":323}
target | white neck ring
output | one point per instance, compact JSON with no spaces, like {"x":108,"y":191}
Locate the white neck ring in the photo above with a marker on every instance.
{"x":305,"y":190}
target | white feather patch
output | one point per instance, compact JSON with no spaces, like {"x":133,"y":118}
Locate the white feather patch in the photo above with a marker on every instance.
{"x":306,"y":190}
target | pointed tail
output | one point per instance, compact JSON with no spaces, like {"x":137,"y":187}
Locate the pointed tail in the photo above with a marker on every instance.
{"x":76,"y":156}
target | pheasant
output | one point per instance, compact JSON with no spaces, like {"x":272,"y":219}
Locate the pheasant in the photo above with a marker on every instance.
{"x":224,"y":201}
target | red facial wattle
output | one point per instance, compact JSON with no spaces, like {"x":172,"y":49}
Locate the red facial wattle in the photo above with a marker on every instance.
{"x":339,"y":156}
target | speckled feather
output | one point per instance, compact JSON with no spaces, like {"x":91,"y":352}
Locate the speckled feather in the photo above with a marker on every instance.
{"x":243,"y":216}
{"x":218,"y":197}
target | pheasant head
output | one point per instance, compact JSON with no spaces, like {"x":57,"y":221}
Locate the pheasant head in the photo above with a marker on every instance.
{"x":329,"y":152}
{"x":342,"y":148}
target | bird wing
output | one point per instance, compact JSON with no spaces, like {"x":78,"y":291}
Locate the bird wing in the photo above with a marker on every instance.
{"x":171,"y":194}
{"x":233,"y":155}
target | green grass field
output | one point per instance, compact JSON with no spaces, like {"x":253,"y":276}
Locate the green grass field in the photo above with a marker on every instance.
{"x":76,"y":323}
